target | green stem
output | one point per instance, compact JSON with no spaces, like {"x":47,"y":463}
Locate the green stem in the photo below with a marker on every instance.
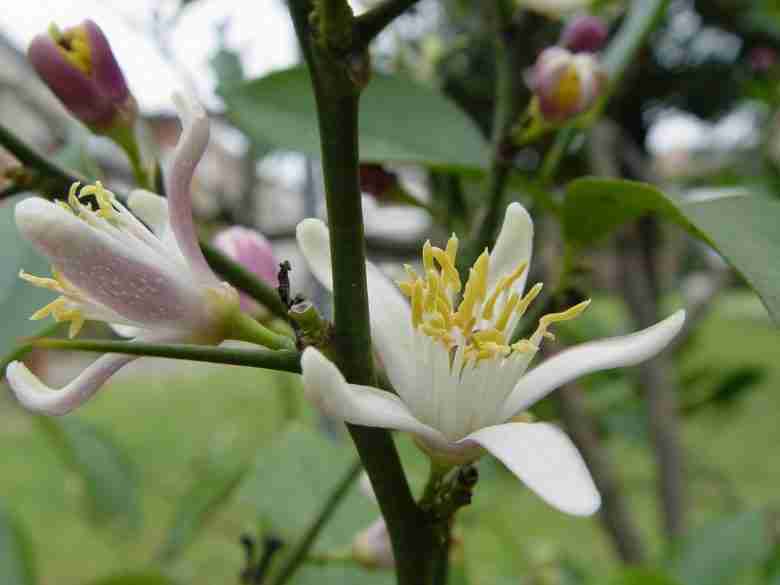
{"x":283,"y":361}
{"x":125,"y":137}
{"x":22,"y":350}
{"x":508,"y":109}
{"x":372,"y":22}
{"x":301,"y":551}
{"x":337,"y":97}
{"x":244,"y":328}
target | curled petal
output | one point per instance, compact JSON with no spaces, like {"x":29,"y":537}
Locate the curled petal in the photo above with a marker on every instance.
{"x":37,"y":397}
{"x":325,"y":387}
{"x":389,"y":312}
{"x":590,"y":357}
{"x":546,"y":460}
{"x":192,"y":144}
{"x":513,"y":246}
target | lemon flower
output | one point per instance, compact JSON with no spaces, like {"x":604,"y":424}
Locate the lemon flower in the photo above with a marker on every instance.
{"x":149,"y":278}
{"x":461,"y":383}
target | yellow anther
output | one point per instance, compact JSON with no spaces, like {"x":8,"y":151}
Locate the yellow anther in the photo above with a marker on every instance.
{"x":410,"y":272}
{"x":53,"y":308}
{"x":64,"y":205}
{"x":524,"y":346}
{"x":507,"y":311}
{"x":551,"y":318}
{"x":529,"y":297}
{"x":452,"y":248}
{"x":450,"y":273}
{"x":480,"y":275}
{"x":432,"y":290}
{"x":417,"y":303}
{"x":513,"y":276}
{"x":74,"y":45}
{"x":73,"y":199}
{"x":427,"y":253}
{"x":41,"y":282}
{"x":444,"y":310}
{"x":488,"y":335}
{"x":406,"y":287}
{"x":568,"y":91}
{"x":76,"y":319}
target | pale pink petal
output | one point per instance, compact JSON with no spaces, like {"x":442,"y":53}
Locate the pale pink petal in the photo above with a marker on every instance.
{"x":192,"y":144}
{"x":615,"y":352}
{"x":546,"y":460}
{"x":34,"y":395}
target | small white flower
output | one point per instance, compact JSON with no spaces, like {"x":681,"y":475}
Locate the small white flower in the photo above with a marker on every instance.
{"x":108,"y":266}
{"x":460,"y":382}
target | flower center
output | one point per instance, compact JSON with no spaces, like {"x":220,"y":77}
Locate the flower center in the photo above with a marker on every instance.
{"x":483,"y":320}
{"x":74,"y":45}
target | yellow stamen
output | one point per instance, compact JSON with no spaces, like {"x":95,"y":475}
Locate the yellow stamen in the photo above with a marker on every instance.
{"x":417,"y":303}
{"x":452,"y":248}
{"x":450,"y":273}
{"x":529,"y":297}
{"x":427,"y":256}
{"x":507,"y":311}
{"x":53,"y":308}
{"x":74,"y":45}
{"x":42,"y":282}
{"x":432,"y":290}
{"x":551,"y":318}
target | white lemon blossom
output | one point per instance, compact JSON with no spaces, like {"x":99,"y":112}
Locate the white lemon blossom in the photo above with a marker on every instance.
{"x":151,"y":282}
{"x":460,"y":381}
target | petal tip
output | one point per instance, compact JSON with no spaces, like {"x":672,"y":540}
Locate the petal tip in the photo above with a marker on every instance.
{"x":30,"y":391}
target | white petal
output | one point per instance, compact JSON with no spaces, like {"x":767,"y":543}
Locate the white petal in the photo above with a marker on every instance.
{"x":37,"y":397}
{"x":615,"y":352}
{"x":153,"y":210}
{"x":326,"y":388}
{"x":192,"y":144}
{"x":389,"y":312}
{"x":513,"y":246}
{"x":546,"y":460}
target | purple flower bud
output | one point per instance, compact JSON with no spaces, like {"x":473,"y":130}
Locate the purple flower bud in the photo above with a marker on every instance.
{"x":377,"y":181}
{"x":79,"y":67}
{"x":565,"y":84}
{"x":584,"y":34}
{"x":253,"y":251}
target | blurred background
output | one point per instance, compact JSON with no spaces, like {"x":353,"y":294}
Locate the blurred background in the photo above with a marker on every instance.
{"x":175,"y":461}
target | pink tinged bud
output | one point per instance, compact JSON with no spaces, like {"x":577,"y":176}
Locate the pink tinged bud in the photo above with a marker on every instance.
{"x":762,"y":59}
{"x":376,"y":180}
{"x":253,"y":251}
{"x":565,"y":84}
{"x":584,"y":34}
{"x":372,"y":547}
{"x":80,"y":69}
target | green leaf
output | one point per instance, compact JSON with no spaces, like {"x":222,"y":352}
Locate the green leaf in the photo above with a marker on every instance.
{"x":400,"y":120}
{"x":110,"y":478}
{"x":18,"y":299}
{"x":17,"y":566}
{"x":215,"y":486}
{"x":135,"y":579}
{"x":636,"y":576}
{"x":742,"y":228}
{"x":719,"y":553}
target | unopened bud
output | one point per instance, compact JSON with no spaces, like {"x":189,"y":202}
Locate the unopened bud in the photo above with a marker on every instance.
{"x":372,"y":547}
{"x":584,"y":34}
{"x":565,"y":84}
{"x":80,"y":69}
{"x":762,"y":59}
{"x":253,"y":251}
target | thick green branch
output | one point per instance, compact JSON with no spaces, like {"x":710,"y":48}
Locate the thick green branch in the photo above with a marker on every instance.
{"x":337,"y":96}
{"x":283,"y":361}
{"x":372,"y":22}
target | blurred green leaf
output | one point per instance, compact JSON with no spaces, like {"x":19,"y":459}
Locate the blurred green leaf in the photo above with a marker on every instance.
{"x":722,"y":551}
{"x":742,"y":228}
{"x":292,"y":477}
{"x":110,"y":478}
{"x":17,"y":566}
{"x":135,"y":579}
{"x":18,"y":299}
{"x":213,"y":488}
{"x":400,"y":120}
{"x":635,"y":576}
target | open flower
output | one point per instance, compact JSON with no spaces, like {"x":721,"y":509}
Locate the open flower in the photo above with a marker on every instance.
{"x":108,"y":266}
{"x":460,"y":380}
